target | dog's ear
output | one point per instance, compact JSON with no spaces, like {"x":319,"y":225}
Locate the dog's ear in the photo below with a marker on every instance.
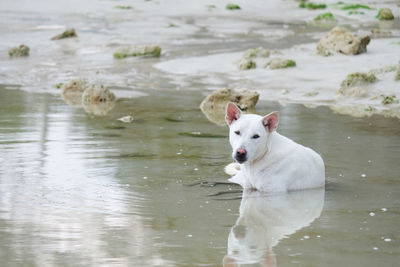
{"x":232,"y":113}
{"x":271,"y":121}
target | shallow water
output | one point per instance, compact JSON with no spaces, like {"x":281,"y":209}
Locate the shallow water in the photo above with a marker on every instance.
{"x":78,"y":190}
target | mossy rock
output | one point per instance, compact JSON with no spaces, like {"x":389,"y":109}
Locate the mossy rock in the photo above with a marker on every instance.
{"x":280,"y":63}
{"x":389,"y":99}
{"x":358,"y":78}
{"x":98,"y":100}
{"x":231,"y":6}
{"x":72,"y":91}
{"x":312,"y":6}
{"x":256,"y":52}
{"x":69,"y":33}
{"x":246,"y":64}
{"x":20,"y":51}
{"x":385,"y":14}
{"x":325,"y":17}
{"x":339,"y":40}
{"x":134,"y":51}
{"x":214,"y":105}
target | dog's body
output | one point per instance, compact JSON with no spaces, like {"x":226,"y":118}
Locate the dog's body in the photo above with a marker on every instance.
{"x":268,"y":161}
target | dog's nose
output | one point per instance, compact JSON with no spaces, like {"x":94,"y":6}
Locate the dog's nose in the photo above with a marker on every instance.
{"x":241,"y":155}
{"x":241,"y":152}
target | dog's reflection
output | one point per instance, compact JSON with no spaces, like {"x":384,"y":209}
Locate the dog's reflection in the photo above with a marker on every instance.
{"x":264,"y":220}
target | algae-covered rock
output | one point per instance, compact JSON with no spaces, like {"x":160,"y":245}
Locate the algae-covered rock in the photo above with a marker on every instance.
{"x":339,"y":40}
{"x":231,"y":6}
{"x":256,"y":52}
{"x":72,"y":91}
{"x":134,"y":51}
{"x":246,"y":64}
{"x":385,"y":14}
{"x":98,"y":100}
{"x":69,"y":33}
{"x":280,"y":63}
{"x":214,"y":105}
{"x":354,"y":83}
{"x":389,"y":99}
{"x":311,"y":5}
{"x":358,"y":78}
{"x":325,"y":17}
{"x":20,"y":51}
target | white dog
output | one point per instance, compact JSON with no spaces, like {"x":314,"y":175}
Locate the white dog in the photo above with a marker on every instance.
{"x":268,"y":161}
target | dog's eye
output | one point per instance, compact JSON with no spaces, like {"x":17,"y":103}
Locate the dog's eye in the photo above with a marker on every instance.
{"x":255,"y":136}
{"x":237,"y":132}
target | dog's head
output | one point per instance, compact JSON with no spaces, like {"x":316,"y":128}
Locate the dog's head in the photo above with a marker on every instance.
{"x":249,"y":133}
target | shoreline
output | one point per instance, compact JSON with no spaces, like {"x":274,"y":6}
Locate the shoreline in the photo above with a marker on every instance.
{"x":200,"y":47}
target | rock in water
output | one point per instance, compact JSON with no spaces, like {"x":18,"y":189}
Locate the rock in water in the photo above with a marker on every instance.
{"x":339,"y":40}
{"x":20,"y":51}
{"x":72,"y":91}
{"x":256,"y":52}
{"x":214,"y":105}
{"x":280,"y":63}
{"x":98,"y":100}
{"x":354,"y":83}
{"x":385,"y":14}
{"x":246,"y":64}
{"x":69,"y":33}
{"x":134,"y":51}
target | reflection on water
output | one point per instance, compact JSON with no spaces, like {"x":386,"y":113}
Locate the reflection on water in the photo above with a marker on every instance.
{"x":79,"y":190}
{"x":265,"y":219}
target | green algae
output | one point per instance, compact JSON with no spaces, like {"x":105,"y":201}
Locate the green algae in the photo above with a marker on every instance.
{"x":387,"y":99}
{"x":231,"y":6}
{"x":58,"y":85}
{"x":20,"y":51}
{"x":69,"y":33}
{"x":280,"y":63}
{"x":354,"y":12}
{"x":355,"y":6}
{"x":357,"y":78}
{"x":325,"y":17}
{"x":114,"y":127}
{"x":289,"y":63}
{"x":312,"y":6}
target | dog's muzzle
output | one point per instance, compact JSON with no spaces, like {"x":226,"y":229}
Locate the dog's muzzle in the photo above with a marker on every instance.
{"x":241,"y":155}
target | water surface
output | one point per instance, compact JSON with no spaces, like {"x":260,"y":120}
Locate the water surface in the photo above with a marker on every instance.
{"x":79,"y":190}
